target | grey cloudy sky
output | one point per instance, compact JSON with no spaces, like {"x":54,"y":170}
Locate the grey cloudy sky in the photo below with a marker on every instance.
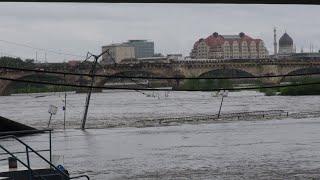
{"x":79,"y":27}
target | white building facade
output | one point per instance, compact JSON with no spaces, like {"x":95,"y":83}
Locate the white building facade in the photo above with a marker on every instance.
{"x":118,"y":52}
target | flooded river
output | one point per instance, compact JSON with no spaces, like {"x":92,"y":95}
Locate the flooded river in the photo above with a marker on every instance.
{"x":286,"y":148}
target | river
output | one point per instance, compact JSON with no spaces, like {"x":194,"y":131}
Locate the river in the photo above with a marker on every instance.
{"x":279,"y":148}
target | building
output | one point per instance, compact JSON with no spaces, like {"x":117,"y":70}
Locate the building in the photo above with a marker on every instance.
{"x":142,"y":48}
{"x":146,"y":60}
{"x":239,"y":46}
{"x":118,"y":52}
{"x":286,"y":45}
{"x":175,"y":56}
{"x":73,"y":63}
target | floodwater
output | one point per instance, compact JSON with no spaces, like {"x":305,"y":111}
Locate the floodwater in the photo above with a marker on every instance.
{"x":121,"y":109}
{"x":286,"y":148}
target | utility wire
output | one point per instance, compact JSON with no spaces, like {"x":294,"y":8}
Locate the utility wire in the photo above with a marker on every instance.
{"x":136,"y":82}
{"x":156,"y":77}
{"x":40,"y":49}
{"x":157,"y":89}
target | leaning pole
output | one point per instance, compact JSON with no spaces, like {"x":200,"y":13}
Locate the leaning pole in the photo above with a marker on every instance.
{"x":92,"y":75}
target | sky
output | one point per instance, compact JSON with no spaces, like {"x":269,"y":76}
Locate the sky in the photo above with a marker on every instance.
{"x":78,"y":28}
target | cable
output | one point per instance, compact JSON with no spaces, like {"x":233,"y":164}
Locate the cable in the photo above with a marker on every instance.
{"x":156,"y":77}
{"x":136,"y":82}
{"x":40,"y":49}
{"x":155,"y":89}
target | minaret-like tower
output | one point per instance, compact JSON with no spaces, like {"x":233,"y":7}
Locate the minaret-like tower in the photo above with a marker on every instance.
{"x":275,"y":44}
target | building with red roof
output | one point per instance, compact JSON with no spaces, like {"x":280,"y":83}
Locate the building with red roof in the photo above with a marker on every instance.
{"x":218,"y":46}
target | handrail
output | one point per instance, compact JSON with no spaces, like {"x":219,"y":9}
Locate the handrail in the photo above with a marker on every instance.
{"x":39,"y":155}
{"x":76,"y":177}
{"x":28,"y":167}
{"x":24,"y":132}
{"x":22,"y":152}
{"x":29,"y":132}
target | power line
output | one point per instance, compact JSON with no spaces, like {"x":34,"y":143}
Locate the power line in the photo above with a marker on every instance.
{"x":41,"y":49}
{"x":156,"y":77}
{"x":4,"y":54}
{"x":157,"y":89}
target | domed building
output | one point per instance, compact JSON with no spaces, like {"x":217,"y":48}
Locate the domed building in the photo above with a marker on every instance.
{"x":286,"y":44}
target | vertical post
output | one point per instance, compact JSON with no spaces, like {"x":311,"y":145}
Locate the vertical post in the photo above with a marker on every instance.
{"x":65,"y":106}
{"x":65,"y":109}
{"x":83,"y":126}
{"x":220,"y":107}
{"x":28,"y":162}
{"x":50,"y":147}
{"x":177,"y":83}
{"x":49,"y":120}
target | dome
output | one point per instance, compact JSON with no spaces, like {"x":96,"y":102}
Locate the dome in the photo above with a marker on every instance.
{"x":215,"y":34}
{"x":285,"y":40}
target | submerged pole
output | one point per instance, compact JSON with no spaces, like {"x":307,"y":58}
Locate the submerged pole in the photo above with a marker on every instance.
{"x":65,"y":109}
{"x":83,"y":125}
{"x":49,"y":120}
{"x":220,"y":107}
{"x":93,"y":71}
{"x":65,"y":105}
{"x":224,"y":93}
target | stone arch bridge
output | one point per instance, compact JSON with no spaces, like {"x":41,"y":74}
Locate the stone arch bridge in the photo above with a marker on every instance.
{"x":180,"y":69}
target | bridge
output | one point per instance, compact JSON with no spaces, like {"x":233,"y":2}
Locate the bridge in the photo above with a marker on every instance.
{"x":201,"y":68}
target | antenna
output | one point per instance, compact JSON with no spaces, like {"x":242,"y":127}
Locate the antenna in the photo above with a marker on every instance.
{"x":310,"y":47}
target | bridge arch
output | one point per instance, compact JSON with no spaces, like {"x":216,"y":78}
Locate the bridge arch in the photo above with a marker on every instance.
{"x":226,"y":72}
{"x":303,"y":70}
{"x":101,"y":81}
{"x":7,"y":86}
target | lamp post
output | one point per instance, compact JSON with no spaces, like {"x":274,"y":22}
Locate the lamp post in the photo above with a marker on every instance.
{"x":52,"y":111}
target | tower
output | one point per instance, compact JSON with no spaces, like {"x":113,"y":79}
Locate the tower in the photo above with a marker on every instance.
{"x":275,"y":45}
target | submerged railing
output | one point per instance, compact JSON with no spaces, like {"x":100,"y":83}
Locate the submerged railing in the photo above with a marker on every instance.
{"x":29,"y":150}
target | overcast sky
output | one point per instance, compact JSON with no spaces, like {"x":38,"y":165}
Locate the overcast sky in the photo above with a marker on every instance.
{"x":79,"y":27}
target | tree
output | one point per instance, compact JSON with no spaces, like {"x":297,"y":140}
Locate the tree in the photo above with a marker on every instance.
{"x":29,"y":61}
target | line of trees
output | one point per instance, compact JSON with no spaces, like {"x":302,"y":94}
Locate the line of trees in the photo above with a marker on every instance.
{"x":17,"y":62}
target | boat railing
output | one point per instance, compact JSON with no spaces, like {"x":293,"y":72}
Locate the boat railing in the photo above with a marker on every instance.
{"x":29,"y":150}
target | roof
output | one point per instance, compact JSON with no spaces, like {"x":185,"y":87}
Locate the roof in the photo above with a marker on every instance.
{"x":231,"y":36}
{"x":137,"y":40}
{"x":218,"y":40}
{"x":117,"y":45}
{"x":285,"y":40}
